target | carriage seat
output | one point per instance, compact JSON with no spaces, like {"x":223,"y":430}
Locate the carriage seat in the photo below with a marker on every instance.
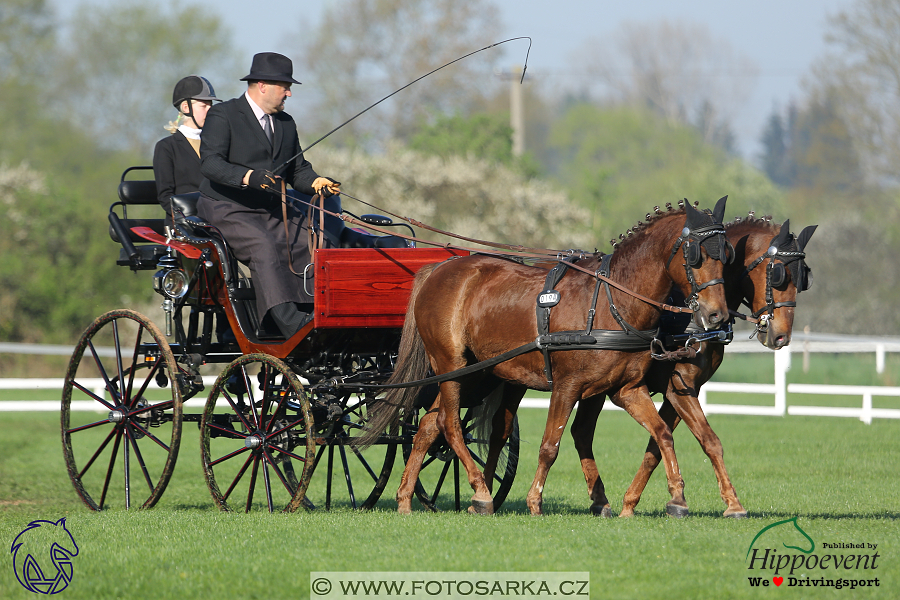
{"x":184,"y":206}
{"x":137,"y":193}
{"x":136,"y":253}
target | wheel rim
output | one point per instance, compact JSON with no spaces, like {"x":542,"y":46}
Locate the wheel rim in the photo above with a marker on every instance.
{"x":257,"y":442}
{"x":443,"y":479}
{"x":120,"y":446}
{"x":342,"y":475}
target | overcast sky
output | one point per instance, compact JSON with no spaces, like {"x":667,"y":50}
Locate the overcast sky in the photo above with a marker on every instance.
{"x":782,"y":37}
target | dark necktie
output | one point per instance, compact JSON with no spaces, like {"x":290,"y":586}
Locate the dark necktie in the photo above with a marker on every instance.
{"x":267,"y":127}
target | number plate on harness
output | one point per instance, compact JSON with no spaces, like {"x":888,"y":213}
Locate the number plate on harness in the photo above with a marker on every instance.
{"x":548,"y":298}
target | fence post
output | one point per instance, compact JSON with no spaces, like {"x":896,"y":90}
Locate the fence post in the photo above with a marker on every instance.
{"x":782,"y":366}
{"x":879,"y":358}
{"x":866,"y":415}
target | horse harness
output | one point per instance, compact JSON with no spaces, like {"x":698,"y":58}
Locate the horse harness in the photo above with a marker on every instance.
{"x":690,"y":242}
{"x":781,"y":257}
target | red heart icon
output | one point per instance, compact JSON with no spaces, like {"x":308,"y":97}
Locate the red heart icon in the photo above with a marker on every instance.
{"x":778,"y":580}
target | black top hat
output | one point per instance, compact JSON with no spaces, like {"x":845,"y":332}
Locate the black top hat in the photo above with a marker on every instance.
{"x":271,"y":66}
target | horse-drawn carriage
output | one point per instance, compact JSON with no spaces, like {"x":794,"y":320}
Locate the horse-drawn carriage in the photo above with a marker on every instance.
{"x":282,"y":411}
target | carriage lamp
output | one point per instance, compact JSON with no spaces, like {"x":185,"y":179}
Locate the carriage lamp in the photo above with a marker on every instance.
{"x":171,"y":283}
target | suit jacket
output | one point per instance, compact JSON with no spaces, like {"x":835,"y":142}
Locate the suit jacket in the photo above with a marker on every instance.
{"x":176,"y":167}
{"x":233,"y":142}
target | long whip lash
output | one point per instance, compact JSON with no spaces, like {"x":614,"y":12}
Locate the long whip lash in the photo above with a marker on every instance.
{"x":283,"y":165}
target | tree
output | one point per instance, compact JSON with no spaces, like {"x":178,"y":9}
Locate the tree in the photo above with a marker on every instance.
{"x":775,"y":158}
{"x":862,"y":75}
{"x":58,"y":270}
{"x":471,"y":197}
{"x":26,"y":37}
{"x":620,"y":162}
{"x":812,"y":148}
{"x":480,"y":136}
{"x":822,"y":151}
{"x":119,"y":67}
{"x":365,"y":49}
{"x":677,"y":70}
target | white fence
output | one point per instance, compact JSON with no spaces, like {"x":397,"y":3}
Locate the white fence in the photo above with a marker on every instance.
{"x":802,"y":344}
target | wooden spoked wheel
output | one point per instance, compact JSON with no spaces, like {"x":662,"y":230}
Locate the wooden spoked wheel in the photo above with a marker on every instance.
{"x":443,"y":480}
{"x":121,"y":412}
{"x":257,"y":436}
{"x":343,"y":475}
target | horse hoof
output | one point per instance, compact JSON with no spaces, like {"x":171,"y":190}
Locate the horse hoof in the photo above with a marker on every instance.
{"x":602,"y":511}
{"x":673,"y":510}
{"x":480,"y":507}
{"x":736,"y":515}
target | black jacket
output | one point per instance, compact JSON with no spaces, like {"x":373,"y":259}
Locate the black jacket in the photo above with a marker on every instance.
{"x":176,"y":167}
{"x":233,"y":142}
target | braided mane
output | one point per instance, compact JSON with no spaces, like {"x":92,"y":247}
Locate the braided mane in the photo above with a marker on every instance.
{"x":649,"y":218}
{"x":752,"y":219}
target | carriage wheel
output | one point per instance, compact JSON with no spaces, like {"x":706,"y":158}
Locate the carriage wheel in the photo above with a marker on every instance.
{"x":343,"y":475}
{"x":438,"y":486}
{"x":256,"y":436}
{"x":121,"y":412}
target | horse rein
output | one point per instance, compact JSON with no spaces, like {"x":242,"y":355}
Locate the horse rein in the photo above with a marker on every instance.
{"x":449,"y":246}
{"x":419,"y":224}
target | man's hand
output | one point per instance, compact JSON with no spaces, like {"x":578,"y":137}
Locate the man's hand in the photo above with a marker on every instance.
{"x":264,"y":180}
{"x":328,"y":183}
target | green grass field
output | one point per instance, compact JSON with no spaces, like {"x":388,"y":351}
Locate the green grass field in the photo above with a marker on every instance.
{"x":838,"y":476}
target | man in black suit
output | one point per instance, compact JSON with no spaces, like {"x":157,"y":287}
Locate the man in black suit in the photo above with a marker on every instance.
{"x":244,"y":140}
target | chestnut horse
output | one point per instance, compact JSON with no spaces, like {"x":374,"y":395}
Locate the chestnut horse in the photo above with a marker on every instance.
{"x":768,"y":271}
{"x":477,"y":308}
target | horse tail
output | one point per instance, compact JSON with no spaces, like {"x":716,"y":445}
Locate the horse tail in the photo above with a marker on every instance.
{"x":412,"y":364}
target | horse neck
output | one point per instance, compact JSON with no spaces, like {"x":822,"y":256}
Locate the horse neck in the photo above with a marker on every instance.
{"x":639,"y":264}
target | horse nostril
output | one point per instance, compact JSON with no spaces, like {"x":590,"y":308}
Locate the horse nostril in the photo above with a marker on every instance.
{"x":714,"y":318}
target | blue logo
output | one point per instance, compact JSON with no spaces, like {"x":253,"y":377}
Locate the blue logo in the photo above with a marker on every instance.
{"x":42,"y":556}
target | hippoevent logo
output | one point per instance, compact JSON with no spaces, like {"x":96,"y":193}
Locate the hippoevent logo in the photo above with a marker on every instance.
{"x":784,"y":554}
{"x":42,"y":556}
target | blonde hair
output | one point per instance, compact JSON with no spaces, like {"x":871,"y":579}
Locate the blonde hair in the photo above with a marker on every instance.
{"x":173,"y":126}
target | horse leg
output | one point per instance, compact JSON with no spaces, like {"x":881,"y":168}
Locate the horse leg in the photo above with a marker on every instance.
{"x":583,"y":426}
{"x":448,"y":421}
{"x":426,"y":435}
{"x":648,"y":465}
{"x":561,"y":403}
{"x":637,"y":402}
{"x":501,"y":428}
{"x":685,"y":402}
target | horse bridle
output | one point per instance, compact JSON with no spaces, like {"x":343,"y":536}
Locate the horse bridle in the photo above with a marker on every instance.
{"x":776,"y":276}
{"x":690,"y":242}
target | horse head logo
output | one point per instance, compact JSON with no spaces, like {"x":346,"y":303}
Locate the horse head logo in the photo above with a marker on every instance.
{"x":42,"y":556}
{"x":787,"y":534}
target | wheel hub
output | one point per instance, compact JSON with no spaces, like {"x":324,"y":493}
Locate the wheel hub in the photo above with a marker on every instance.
{"x":117,"y":415}
{"x":254,"y":441}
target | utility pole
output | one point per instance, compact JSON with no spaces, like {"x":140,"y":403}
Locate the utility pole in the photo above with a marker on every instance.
{"x":516,"y":109}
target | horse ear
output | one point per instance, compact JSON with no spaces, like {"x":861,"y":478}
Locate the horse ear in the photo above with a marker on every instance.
{"x":783,"y":235}
{"x":694,"y":216}
{"x":719,"y":210}
{"x":805,"y":235}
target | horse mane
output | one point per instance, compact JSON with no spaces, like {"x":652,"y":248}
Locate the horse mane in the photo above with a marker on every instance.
{"x":752,"y":219}
{"x":627,"y":238}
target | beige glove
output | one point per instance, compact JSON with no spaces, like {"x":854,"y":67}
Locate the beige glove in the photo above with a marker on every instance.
{"x":329,"y":184}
